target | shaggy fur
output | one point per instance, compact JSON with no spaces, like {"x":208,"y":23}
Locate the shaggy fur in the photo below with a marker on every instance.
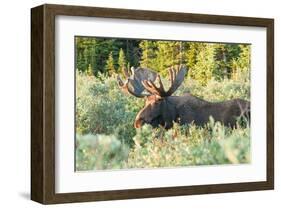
{"x":187,"y":109}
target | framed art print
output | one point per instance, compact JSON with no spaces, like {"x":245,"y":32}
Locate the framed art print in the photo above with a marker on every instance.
{"x":135,"y":104}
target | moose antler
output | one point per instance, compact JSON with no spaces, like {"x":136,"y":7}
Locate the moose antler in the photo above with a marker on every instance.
{"x":133,"y":83}
{"x":176,"y":78}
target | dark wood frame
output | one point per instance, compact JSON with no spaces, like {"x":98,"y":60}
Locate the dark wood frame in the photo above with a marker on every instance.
{"x":43,"y":103}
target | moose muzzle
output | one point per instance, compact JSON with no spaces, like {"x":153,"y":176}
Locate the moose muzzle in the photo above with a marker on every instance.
{"x":138,"y":123}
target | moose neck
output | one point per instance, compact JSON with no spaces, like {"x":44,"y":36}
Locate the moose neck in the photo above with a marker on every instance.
{"x":169,"y":111}
{"x":182,"y":109}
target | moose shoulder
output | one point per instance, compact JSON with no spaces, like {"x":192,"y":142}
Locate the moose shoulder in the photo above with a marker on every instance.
{"x":161,"y":108}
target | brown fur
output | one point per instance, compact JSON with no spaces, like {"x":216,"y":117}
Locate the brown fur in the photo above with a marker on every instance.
{"x":161,"y":108}
{"x":187,"y":109}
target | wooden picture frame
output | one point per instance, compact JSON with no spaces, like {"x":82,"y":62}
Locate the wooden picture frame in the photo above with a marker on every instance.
{"x":43,"y":103}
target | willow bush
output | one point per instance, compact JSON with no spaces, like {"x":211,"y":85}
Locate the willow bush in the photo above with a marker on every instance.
{"x":106,"y":138}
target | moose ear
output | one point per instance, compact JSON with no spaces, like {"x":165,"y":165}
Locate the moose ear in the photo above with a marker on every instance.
{"x":168,"y":114}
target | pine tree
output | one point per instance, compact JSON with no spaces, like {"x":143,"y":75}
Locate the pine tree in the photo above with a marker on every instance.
{"x":162,"y":57}
{"x":226,"y":54}
{"x":148,"y":57}
{"x":191,"y":54}
{"x":205,"y":65}
{"x":168,"y":55}
{"x":244,"y":60}
{"x":241,"y":65}
{"x":121,"y":60}
{"x":181,"y":48}
{"x":89,"y":70}
{"x":110,"y":69}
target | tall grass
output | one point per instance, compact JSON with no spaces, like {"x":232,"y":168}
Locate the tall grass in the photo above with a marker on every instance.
{"x":106,"y":138}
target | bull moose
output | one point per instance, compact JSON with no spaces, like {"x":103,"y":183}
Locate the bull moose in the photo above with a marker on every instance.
{"x":161,"y":108}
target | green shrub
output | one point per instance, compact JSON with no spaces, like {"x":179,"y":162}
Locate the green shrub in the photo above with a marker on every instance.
{"x":215,"y":91}
{"x":96,"y":152}
{"x":190,"y":145}
{"x":101,"y":108}
{"x":105,"y":115}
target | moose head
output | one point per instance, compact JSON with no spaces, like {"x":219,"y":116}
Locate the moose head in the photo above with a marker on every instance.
{"x":159,"y":109}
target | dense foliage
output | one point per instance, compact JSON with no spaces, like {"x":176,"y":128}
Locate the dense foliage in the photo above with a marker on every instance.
{"x":101,"y":55}
{"x":205,"y":60}
{"x":189,"y":145}
{"x":106,"y":138}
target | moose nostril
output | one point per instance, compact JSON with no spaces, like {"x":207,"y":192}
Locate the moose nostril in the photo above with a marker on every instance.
{"x":138,"y":123}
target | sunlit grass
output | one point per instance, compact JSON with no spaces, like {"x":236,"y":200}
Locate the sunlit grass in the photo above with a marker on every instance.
{"x":106,"y":138}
